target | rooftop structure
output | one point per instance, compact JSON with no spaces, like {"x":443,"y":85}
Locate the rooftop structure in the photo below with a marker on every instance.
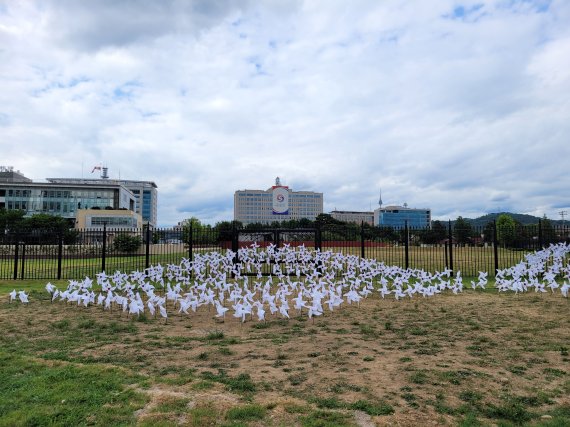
{"x":7,"y":174}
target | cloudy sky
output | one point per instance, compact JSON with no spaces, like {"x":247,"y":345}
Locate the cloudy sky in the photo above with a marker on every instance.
{"x":461,"y":106}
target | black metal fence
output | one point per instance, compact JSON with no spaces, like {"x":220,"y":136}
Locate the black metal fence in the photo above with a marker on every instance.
{"x":76,"y":254}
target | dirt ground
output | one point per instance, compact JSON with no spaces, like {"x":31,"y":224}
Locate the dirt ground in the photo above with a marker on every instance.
{"x":436,"y":361}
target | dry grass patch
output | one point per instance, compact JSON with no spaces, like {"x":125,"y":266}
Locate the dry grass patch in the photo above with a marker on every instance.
{"x":476,"y":357}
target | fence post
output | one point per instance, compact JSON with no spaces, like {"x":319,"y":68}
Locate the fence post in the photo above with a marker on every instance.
{"x":147,"y":248}
{"x":59,"y":255}
{"x":235,"y":242}
{"x":23,"y":260}
{"x":190,"y":243}
{"x":362,"y":254}
{"x":407,"y":244}
{"x":539,"y":234}
{"x":318,"y":238}
{"x":495,"y":247}
{"x":104,"y":247}
{"x":16,"y":256}
{"x":450,"y":236}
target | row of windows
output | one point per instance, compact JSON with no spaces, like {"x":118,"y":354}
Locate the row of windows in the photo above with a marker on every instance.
{"x":55,"y":206}
{"x":119,"y":221}
{"x":59,"y":194}
{"x":405,"y":212}
{"x":269,"y":205}
{"x":29,"y":200}
{"x":269,"y":195}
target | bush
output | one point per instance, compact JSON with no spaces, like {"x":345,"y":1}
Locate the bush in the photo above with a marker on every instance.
{"x":126,"y":243}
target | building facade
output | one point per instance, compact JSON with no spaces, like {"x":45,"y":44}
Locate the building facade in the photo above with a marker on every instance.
{"x":354,"y":217}
{"x":398,"y":216}
{"x":145,"y":194}
{"x":95,"y":219}
{"x":276,"y":204}
{"x":63,"y":199}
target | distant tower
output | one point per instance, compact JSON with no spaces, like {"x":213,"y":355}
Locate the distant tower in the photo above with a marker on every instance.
{"x":380,"y":199}
{"x":277,"y":182}
{"x":104,"y":172}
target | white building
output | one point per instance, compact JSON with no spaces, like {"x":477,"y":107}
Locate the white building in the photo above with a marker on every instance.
{"x":277,"y":203}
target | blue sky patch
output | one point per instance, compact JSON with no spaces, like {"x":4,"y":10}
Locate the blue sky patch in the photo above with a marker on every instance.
{"x":465,"y":13}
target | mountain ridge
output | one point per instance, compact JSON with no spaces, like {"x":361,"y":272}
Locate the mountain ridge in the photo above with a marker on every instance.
{"x":524,"y":219}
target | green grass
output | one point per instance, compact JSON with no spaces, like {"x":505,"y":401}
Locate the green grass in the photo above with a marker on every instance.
{"x":469,"y":260}
{"x":35,"y":393}
{"x":173,"y":405}
{"x":326,"y":419}
{"x":241,"y":383}
{"x":246,"y":413}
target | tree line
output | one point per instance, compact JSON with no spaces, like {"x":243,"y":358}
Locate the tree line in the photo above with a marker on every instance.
{"x":509,"y":232}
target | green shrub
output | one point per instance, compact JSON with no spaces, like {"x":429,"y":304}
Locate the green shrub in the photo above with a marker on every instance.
{"x":126,"y":243}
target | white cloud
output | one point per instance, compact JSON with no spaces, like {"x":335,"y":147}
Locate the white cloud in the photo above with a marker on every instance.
{"x":457,"y":106}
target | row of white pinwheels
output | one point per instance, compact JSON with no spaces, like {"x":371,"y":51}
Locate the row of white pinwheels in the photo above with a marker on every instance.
{"x":300,"y":280}
{"x":539,"y":271}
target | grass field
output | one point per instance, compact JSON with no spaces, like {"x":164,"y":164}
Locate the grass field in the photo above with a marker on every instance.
{"x":469,"y":260}
{"x":475,"y":359}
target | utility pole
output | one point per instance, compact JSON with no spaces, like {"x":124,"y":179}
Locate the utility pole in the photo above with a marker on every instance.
{"x":562,"y":215}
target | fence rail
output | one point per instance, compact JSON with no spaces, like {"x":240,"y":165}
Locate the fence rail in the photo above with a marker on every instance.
{"x":79,"y":253}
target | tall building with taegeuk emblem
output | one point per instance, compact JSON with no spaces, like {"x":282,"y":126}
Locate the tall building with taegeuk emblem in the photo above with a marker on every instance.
{"x":277,"y":203}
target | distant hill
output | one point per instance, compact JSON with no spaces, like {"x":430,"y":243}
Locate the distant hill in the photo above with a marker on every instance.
{"x":522,"y":218}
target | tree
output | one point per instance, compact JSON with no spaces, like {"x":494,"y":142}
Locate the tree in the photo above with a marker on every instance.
{"x":323,"y":220}
{"x":126,"y":243}
{"x":201,"y":233}
{"x":224,"y":230}
{"x":489,"y":232}
{"x":11,"y":220}
{"x":435,"y":234}
{"x":506,"y":230}
{"x":462,"y":231}
{"x":47,"y":222}
{"x":384,"y":234}
{"x":548,"y":233}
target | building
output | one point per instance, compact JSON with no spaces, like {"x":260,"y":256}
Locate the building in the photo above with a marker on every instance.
{"x":398,"y":216}
{"x":63,"y":199}
{"x":112,"y":219}
{"x":354,"y":217}
{"x":277,"y":203}
{"x":145,"y":193}
{"x":7,"y":174}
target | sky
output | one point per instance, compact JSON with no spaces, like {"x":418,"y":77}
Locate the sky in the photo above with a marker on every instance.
{"x":458,"y":106}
